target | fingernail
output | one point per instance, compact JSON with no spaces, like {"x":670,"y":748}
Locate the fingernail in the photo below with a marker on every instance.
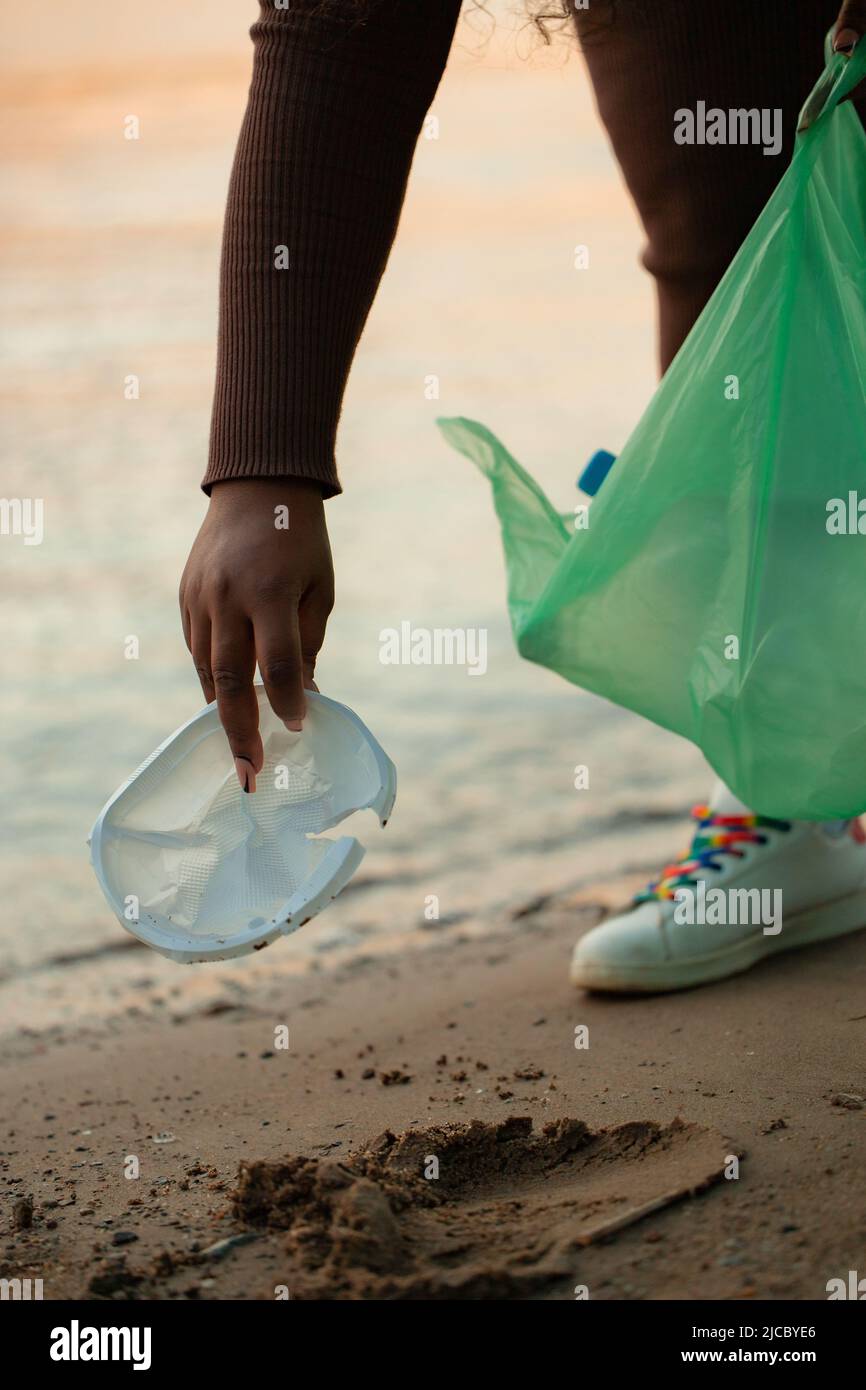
{"x":845,"y":40}
{"x":294,"y":725}
{"x":246,"y":774}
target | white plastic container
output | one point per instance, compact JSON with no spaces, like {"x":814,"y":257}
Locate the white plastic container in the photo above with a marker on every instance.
{"x":201,"y":871}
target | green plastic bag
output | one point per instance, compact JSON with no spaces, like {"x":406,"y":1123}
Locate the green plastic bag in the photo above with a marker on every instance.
{"x":719,"y":587}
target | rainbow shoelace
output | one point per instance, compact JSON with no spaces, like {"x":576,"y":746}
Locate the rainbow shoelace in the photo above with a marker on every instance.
{"x":715,"y":836}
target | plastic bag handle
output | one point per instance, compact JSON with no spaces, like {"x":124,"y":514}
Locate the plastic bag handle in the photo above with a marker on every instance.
{"x":842,"y":73}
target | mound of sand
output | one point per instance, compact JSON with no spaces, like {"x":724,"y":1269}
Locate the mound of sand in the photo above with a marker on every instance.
{"x":471,"y":1211}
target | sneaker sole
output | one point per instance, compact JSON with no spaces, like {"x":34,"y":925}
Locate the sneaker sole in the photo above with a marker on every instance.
{"x":823,"y":923}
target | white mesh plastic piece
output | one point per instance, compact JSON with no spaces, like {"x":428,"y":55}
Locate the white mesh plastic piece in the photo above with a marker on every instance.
{"x":211,"y":871}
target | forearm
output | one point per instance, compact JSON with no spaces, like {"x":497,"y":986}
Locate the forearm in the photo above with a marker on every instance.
{"x":335,"y":107}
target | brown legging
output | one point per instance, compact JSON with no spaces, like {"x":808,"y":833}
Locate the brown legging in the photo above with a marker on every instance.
{"x":647,"y":58}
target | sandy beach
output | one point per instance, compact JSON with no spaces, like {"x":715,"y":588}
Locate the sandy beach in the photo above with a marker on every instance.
{"x":267,"y":1171}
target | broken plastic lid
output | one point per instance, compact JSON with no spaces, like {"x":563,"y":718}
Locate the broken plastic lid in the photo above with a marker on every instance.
{"x":199,"y":870}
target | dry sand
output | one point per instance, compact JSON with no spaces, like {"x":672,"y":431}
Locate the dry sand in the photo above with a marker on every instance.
{"x":318,"y":1156}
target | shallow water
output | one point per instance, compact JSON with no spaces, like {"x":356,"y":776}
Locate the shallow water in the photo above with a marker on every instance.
{"x":112,"y":250}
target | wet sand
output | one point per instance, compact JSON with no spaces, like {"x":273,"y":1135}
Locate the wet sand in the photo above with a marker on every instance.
{"x":768,"y":1066}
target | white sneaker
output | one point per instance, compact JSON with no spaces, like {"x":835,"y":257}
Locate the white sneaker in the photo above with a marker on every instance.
{"x":784,"y":884}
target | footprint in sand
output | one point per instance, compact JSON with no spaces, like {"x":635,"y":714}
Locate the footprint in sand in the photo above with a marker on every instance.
{"x":475,"y":1211}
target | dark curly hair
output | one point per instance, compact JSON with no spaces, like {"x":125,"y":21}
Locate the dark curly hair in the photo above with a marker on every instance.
{"x":548,"y":17}
{"x":551,"y":17}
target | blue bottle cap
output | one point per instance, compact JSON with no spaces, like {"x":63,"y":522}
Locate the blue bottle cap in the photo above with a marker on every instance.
{"x":596,"y":471}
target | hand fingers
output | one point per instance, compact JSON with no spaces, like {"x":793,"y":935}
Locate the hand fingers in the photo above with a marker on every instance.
{"x":233,"y":665}
{"x":278,"y":648}
{"x":199,"y":643}
{"x":313,"y":616}
{"x":848,"y":29}
{"x":288,"y":641}
{"x":850,"y":26}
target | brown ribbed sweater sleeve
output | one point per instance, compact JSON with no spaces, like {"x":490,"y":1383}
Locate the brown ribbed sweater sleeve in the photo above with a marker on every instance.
{"x":338,"y":95}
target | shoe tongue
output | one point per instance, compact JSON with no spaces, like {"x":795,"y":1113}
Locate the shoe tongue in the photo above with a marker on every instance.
{"x":723,"y":802}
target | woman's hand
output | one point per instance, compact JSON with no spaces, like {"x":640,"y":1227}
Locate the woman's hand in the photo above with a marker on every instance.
{"x":258,"y":587}
{"x":850,"y":26}
{"x":847,"y":33}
